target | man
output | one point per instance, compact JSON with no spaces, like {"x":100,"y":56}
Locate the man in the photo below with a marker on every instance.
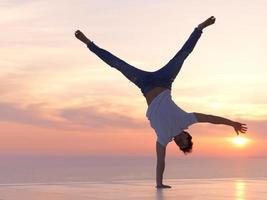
{"x":168,"y":120}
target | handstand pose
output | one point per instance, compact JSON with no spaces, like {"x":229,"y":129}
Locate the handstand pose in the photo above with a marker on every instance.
{"x":166,"y":118}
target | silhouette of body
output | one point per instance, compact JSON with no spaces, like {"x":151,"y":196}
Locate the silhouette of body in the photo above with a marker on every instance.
{"x":169,"y":121}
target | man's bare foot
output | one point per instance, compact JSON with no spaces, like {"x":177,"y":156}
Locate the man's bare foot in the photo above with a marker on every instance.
{"x":79,"y":35}
{"x":207,"y":22}
{"x":163,"y":186}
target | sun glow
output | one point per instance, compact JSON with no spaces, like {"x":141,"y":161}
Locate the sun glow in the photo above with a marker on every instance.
{"x":240,"y":141}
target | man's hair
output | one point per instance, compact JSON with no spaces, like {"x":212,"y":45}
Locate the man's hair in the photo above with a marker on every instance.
{"x":189,"y":148}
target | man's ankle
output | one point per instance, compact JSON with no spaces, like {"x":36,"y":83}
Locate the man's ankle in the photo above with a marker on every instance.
{"x":201,"y":27}
{"x":88,"y":42}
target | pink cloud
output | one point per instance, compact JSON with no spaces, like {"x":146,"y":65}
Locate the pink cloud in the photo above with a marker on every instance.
{"x":71,"y":118}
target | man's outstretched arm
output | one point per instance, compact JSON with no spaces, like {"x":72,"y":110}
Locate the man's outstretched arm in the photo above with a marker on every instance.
{"x":239,"y":127}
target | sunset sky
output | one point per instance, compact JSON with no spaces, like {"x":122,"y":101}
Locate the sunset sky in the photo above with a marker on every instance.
{"x":58,"y":98}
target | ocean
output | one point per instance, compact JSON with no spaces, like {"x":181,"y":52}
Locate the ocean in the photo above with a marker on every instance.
{"x":87,"y":177}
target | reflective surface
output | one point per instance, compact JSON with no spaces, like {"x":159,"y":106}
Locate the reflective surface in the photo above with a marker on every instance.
{"x":189,"y":189}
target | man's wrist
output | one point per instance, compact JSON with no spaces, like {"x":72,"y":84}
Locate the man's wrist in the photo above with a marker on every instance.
{"x":232,"y":123}
{"x":159,"y":184}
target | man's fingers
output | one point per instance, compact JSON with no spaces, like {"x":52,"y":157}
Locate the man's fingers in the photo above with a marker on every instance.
{"x":163,"y":186}
{"x":244,"y":130}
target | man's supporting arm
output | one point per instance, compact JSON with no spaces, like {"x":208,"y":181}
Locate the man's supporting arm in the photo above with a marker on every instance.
{"x":161,"y":153}
{"x":239,"y":127}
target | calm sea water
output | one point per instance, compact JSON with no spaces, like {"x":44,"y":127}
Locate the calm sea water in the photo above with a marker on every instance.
{"x":182,"y":189}
{"x":46,"y":169}
{"x":120,"y":178}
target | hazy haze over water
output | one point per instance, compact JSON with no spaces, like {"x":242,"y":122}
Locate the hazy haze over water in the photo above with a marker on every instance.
{"x":46,"y":169}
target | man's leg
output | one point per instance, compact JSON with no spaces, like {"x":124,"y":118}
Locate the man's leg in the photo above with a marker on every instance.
{"x":130,"y":72}
{"x":172,"y":68}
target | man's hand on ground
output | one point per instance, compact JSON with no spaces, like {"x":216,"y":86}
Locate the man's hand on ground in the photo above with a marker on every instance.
{"x":162,"y":186}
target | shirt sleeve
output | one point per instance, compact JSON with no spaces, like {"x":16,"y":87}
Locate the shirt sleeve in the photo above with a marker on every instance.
{"x":192,"y":118}
{"x":162,"y":142}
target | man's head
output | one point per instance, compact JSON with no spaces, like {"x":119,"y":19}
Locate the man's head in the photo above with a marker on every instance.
{"x":184,"y":141}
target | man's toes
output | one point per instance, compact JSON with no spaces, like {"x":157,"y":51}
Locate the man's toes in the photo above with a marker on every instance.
{"x":78,"y":32}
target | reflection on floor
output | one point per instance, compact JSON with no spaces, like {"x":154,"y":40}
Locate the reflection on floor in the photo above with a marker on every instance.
{"x":183,"y":189}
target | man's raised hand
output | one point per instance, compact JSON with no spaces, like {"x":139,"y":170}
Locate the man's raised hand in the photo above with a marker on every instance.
{"x":239,"y":127}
